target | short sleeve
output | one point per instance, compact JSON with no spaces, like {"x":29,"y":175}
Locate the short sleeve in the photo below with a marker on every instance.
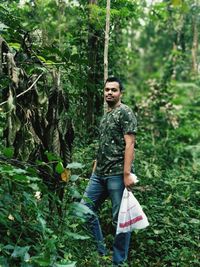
{"x":128,"y":121}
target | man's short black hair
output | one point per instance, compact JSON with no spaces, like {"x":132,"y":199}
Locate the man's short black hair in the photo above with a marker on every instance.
{"x":115,"y":79}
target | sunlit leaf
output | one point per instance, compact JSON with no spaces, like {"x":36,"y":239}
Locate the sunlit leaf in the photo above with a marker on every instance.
{"x":71,"y":264}
{"x":15,"y":45}
{"x":76,"y":236}
{"x":42,"y":58}
{"x":158,"y":232}
{"x":177,"y":2}
{"x":75,"y":165}
{"x":196,"y":221}
{"x":168,"y":199}
{"x":19,"y":171}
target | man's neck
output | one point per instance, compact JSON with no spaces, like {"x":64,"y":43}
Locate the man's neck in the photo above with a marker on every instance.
{"x":110,"y":107}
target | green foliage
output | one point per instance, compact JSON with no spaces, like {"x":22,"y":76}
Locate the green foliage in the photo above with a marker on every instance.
{"x":150,"y":48}
{"x":170,"y":203}
{"x":31,"y":238}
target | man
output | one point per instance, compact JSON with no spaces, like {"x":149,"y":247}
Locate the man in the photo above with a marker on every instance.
{"x":113,"y":166}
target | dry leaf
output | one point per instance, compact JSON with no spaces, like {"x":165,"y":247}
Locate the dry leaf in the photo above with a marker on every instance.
{"x":65,"y":175}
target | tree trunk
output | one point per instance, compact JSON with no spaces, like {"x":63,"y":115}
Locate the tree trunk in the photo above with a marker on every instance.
{"x":195,"y":47}
{"x":92,"y":75}
{"x":106,"y":41}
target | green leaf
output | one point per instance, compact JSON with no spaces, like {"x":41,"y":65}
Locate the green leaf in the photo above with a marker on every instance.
{"x":15,"y":45}
{"x":33,"y":179}
{"x":59,"y":168}
{"x":19,"y":171}
{"x":194,"y":221}
{"x":26,"y":257}
{"x":41,"y":260}
{"x":42,"y":222}
{"x":74,"y":192}
{"x":50,"y":62}
{"x":74,"y":178}
{"x":151,"y":242}
{"x":42,"y":59}
{"x":35,"y":187}
{"x":8,"y":152}
{"x":51,"y":156}
{"x":158,"y":232}
{"x":71,"y":264}
{"x":3,"y":262}
{"x":20,"y":178}
{"x":75,"y":165}
{"x":80,"y":209}
{"x":8,"y":247}
{"x":177,"y":2}
{"x":20,"y":252}
{"x":77,"y":236}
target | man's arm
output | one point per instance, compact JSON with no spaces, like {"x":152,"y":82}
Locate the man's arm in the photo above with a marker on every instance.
{"x":128,"y":158}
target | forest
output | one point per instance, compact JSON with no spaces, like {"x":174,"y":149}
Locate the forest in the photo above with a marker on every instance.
{"x":54,"y":58}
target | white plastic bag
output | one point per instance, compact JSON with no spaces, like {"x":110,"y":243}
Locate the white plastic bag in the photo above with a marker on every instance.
{"x":131,"y":215}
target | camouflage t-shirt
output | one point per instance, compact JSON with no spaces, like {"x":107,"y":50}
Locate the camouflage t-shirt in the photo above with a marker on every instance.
{"x":114,"y":125}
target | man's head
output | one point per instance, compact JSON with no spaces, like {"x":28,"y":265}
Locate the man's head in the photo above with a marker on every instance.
{"x":115,"y":79}
{"x":113,"y":92}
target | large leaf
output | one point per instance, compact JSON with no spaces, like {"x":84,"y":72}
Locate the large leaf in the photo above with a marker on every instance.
{"x":80,"y":209}
{"x":75,"y":165}
{"x":41,"y":260}
{"x":77,"y":236}
{"x":59,"y":168}
{"x":21,"y":252}
{"x":71,"y":264}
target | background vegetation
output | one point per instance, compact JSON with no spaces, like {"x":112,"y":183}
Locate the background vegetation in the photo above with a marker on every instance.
{"x":48,"y":135}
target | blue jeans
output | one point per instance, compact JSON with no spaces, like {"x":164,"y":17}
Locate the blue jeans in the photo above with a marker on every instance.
{"x":98,"y":189}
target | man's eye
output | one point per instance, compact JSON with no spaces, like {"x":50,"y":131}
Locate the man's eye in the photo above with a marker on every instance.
{"x":112,"y":89}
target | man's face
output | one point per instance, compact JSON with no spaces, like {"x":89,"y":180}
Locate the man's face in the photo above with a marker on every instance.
{"x":112,"y":94}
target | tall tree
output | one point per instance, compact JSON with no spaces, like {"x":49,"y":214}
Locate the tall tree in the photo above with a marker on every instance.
{"x":94,"y":67}
{"x":106,"y":40}
{"x":195,"y":43}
